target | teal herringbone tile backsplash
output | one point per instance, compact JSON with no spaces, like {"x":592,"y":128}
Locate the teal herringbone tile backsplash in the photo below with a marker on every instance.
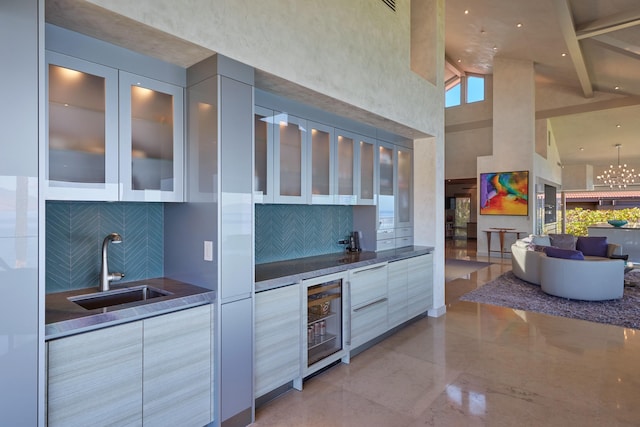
{"x":296,"y":231}
{"x":75,"y":231}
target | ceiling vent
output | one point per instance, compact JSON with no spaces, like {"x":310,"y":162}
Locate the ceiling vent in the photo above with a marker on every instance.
{"x":391,"y":4}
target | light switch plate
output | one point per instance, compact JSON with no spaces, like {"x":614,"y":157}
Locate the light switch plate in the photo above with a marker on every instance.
{"x":208,"y":250}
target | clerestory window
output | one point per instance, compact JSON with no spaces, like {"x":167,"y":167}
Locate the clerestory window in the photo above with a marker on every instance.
{"x":472,"y":86}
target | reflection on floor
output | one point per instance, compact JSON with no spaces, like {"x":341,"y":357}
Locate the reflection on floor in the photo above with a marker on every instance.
{"x":477,"y":365}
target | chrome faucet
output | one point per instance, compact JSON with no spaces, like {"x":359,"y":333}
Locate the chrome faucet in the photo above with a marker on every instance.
{"x":105,"y":276}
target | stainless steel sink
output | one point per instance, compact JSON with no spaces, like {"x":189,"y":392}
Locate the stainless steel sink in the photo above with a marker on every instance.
{"x":118,"y":297}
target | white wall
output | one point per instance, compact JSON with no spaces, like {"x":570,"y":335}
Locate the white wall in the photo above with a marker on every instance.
{"x":357,"y":52}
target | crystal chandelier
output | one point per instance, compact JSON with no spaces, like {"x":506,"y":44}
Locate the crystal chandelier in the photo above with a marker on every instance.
{"x":618,"y":176}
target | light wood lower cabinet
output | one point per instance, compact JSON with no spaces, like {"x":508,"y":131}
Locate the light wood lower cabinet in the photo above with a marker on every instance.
{"x":397,"y":310}
{"x":420,"y":284}
{"x":177,"y":369}
{"x":156,"y":371}
{"x":95,"y":378}
{"x":368,"y":299}
{"x":278,"y":341}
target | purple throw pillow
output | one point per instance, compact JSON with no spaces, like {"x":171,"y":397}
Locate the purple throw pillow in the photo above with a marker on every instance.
{"x":554,"y":252}
{"x":592,"y":246}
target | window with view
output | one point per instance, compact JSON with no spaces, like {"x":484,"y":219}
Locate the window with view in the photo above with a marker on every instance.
{"x":471,"y":86}
{"x":452,"y":96}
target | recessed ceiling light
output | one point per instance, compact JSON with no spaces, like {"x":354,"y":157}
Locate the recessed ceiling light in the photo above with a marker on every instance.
{"x":581,"y":148}
{"x":564,"y":54}
{"x":459,"y":60}
{"x":618,"y":125}
{"x":519,"y":25}
{"x":495,"y":48}
{"x":466,"y":11}
{"x":617,"y":88}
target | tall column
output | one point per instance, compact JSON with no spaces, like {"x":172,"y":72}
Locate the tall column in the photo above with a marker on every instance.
{"x":513,"y":140}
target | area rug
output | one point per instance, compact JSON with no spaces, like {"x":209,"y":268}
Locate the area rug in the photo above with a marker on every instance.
{"x":509,"y":291}
{"x":455,"y":268}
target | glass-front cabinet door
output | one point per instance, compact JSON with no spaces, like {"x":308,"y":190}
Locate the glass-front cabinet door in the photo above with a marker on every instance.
{"x":346,"y":166}
{"x":151,"y":139}
{"x":386,"y":186}
{"x":290,"y":155}
{"x":404,"y":207}
{"x":321,"y":163}
{"x":367,"y":171}
{"x":263,"y":119}
{"x":81,"y":148}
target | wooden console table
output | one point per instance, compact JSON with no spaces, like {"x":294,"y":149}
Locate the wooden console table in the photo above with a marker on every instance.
{"x":501,"y":232}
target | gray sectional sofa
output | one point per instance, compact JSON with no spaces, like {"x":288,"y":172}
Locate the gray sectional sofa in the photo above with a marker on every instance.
{"x":593,"y":278}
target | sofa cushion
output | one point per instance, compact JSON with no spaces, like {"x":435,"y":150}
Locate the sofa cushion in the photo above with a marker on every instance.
{"x":541,"y":240}
{"x":563,"y":241}
{"x":593,"y":246}
{"x":553,"y":252}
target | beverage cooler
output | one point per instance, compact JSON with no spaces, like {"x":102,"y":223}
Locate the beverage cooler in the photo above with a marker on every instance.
{"x":325,"y":329}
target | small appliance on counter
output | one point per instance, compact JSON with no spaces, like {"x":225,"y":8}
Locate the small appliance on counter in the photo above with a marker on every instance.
{"x":354,"y":242}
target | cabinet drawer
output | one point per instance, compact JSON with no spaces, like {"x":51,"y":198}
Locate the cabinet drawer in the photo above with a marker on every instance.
{"x":389,"y":233}
{"x":404,"y":232}
{"x":401,"y":242}
{"x":383,"y":245}
{"x":368,"y":284}
{"x":368,"y":321}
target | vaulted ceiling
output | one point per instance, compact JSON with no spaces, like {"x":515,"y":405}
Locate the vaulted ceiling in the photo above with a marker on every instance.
{"x":588,"y":46}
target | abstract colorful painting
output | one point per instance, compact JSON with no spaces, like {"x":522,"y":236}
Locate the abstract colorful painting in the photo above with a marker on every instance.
{"x":504,"y":193}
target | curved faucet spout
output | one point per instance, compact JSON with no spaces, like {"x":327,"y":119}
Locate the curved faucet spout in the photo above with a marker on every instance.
{"x":105,"y":276}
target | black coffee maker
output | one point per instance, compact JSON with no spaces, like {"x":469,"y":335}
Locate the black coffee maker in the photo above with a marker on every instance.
{"x":354,"y":242}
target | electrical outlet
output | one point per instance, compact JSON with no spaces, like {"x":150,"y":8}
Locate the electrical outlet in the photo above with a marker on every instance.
{"x":208,"y":250}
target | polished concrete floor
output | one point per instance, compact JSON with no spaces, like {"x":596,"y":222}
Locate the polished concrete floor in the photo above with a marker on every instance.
{"x":478,"y":365}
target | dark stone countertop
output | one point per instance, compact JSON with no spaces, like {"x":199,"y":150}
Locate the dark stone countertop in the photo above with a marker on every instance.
{"x":64,"y":317}
{"x":282,"y":273}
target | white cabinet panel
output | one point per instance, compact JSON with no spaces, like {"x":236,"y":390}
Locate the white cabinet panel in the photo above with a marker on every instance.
{"x":401,"y":242}
{"x":404,"y":187}
{"x":95,"y":378}
{"x":346,"y":166}
{"x":290,"y":158}
{"x":278,"y":343}
{"x":263,"y":146}
{"x":368,"y":172}
{"x":321,"y":163}
{"x":177,"y":373}
{"x":81,"y":145}
{"x":151,"y":139}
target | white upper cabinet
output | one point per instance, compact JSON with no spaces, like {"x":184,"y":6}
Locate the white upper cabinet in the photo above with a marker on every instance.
{"x":290,"y":159}
{"x":386,"y":186}
{"x":151,"y":139}
{"x":81,"y":146}
{"x":263,"y":163}
{"x":346,"y":165}
{"x":110,"y":141}
{"x":404,"y":187}
{"x":367,"y":171}
{"x":321,"y":163}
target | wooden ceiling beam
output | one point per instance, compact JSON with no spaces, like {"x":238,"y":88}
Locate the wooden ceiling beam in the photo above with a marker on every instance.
{"x":608,"y":24}
{"x":567,"y":28}
{"x":451,"y":66}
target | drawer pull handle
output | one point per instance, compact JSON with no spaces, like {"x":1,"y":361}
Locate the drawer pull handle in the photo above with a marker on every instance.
{"x":381,"y":300}
{"x":370,"y":269}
